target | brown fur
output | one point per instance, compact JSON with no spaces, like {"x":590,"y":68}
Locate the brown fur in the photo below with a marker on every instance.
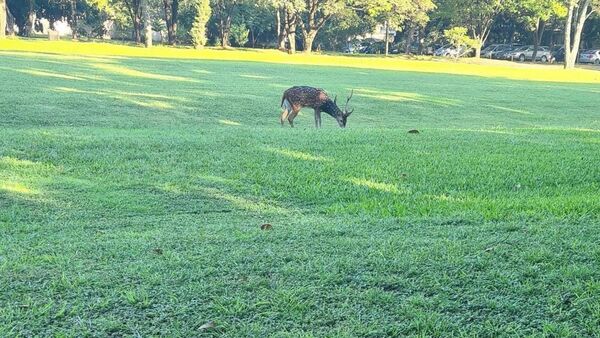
{"x":315,"y":98}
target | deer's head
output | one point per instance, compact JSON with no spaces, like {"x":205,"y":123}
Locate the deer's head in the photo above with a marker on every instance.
{"x":342,"y":116}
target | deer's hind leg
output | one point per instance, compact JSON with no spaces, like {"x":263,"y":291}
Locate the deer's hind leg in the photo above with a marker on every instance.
{"x":284,"y":116}
{"x":287,"y":108}
{"x":292,"y":116}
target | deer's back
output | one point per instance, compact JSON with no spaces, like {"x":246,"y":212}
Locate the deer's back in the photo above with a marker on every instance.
{"x":306,"y":96}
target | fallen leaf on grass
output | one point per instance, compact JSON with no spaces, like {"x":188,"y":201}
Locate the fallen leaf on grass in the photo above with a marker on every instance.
{"x":413,"y":131}
{"x":266,"y":226}
{"x":209,"y":325}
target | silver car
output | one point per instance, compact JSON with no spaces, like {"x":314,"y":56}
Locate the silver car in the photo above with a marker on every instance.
{"x":590,"y":56}
{"x":526,"y":54}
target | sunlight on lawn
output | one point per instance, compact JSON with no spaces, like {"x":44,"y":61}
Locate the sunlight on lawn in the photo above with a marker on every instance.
{"x":469,"y":67}
{"x":17,"y":188}
{"x":127,"y":97}
{"x":298,"y":155}
{"x":38,"y":72}
{"x":15,"y":162}
{"x":386,"y":187}
{"x":511,"y":110}
{"x":250,"y":76}
{"x":491,"y":131}
{"x":230,"y":123}
{"x":121,"y":70}
{"x":405,"y":96}
{"x":243,"y":203}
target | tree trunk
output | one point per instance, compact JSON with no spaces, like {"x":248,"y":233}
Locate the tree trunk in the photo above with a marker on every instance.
{"x":147,"y":24}
{"x":537,"y":37}
{"x":280,"y":30}
{"x":291,"y":26}
{"x":409,"y":39}
{"x":29,"y":21}
{"x":74,"y":19}
{"x":135,"y":13}
{"x":3,"y":19}
{"x":478,"y":49}
{"x":387,"y":38}
{"x":582,"y":15}
{"x":171,"y":17}
{"x":309,"y":39}
{"x":568,"y":26}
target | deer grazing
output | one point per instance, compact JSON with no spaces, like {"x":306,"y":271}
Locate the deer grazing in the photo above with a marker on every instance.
{"x":296,"y":98}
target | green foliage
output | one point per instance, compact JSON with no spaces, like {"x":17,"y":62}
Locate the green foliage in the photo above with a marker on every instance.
{"x":132,"y":192}
{"x":396,"y":12}
{"x":198,"y":32}
{"x":530,"y":12}
{"x":458,"y":37}
{"x":239,"y":34}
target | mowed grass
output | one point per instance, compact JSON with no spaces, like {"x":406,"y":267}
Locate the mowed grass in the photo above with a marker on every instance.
{"x":132,"y":191}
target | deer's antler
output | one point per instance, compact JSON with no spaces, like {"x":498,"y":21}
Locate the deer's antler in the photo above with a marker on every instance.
{"x":348,"y":100}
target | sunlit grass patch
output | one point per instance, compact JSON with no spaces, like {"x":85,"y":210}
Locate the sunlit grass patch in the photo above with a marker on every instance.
{"x":380,"y":186}
{"x":468,"y":67}
{"x":43,"y":73}
{"x":299,"y":155}
{"x":230,"y":123}
{"x":121,"y":70}
{"x":17,"y":188}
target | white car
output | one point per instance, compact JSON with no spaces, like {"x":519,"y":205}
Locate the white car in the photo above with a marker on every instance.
{"x":526,"y":54}
{"x":451,"y":51}
{"x":590,"y":56}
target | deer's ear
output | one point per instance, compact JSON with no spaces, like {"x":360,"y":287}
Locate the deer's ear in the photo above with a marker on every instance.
{"x":335,"y":100}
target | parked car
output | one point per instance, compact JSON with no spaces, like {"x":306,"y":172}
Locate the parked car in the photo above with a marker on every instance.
{"x":375,"y":48}
{"x":526,"y":54}
{"x":590,"y":56}
{"x":451,"y":51}
{"x":504,"y":53}
{"x":489,"y":51}
{"x":558,"y":54}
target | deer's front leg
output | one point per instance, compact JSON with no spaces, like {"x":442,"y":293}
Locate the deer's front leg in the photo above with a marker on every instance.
{"x":317,"y":118}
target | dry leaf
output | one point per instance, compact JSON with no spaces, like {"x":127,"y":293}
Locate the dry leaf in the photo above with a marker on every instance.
{"x":209,"y":325}
{"x":413,"y":131}
{"x":266,"y":226}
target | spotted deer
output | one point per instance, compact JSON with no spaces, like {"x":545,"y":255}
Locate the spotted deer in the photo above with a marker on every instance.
{"x":296,"y":98}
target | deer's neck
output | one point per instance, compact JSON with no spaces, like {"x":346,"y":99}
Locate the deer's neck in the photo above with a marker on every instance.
{"x":331,"y":108}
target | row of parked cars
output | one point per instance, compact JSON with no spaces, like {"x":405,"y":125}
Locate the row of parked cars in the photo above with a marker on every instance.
{"x":512,"y":52}
{"x":544,"y":54}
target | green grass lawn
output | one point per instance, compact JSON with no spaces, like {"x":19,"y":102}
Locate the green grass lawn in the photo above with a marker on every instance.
{"x":132,"y":191}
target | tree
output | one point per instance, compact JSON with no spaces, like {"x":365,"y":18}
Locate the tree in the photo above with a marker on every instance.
{"x":578,"y":12}
{"x":395,"y":13}
{"x":316,"y":13}
{"x":147,"y":24}
{"x":458,"y":37}
{"x":24,"y":12}
{"x":476,"y":15}
{"x":239,"y":34}
{"x":223,"y":11}
{"x":535,"y":14}
{"x":171,"y":11}
{"x":2,"y":19}
{"x":134,"y":9}
{"x":198,"y":32}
